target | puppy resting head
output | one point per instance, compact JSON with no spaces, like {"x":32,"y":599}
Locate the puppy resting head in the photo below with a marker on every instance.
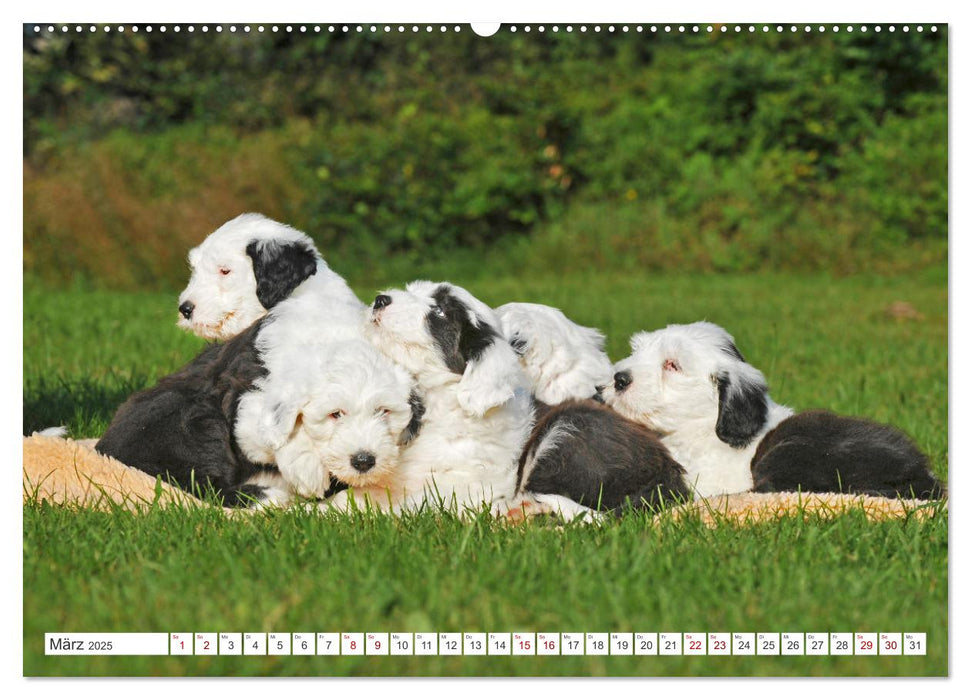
{"x":344,"y":411}
{"x":242,"y":269}
{"x":690,"y":377}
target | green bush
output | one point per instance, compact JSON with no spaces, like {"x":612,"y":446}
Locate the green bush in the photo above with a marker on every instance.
{"x":716,"y":151}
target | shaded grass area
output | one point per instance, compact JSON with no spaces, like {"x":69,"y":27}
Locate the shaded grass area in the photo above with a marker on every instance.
{"x":173,"y":570}
{"x":822,"y":342}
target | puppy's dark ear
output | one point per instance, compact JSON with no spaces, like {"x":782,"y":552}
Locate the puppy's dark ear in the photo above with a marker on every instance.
{"x":742,"y":409}
{"x":279,"y":268}
{"x":414,"y":425}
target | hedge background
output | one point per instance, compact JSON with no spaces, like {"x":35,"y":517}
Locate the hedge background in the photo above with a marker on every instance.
{"x":407,"y":154}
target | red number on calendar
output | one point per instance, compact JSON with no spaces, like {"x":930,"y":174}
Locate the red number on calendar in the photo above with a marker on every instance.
{"x":353,"y":646}
{"x":892,"y":646}
{"x":694,"y":645}
{"x":205,"y":645}
{"x":866,"y":646}
{"x":549,"y":645}
{"x":719,"y":645}
{"x":377,"y":644}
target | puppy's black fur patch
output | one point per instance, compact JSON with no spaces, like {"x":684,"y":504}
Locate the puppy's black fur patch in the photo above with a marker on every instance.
{"x":601,"y":458}
{"x":280,"y":268}
{"x":182,"y":428}
{"x":742,"y":410}
{"x":414,"y":425}
{"x":819,"y":451}
{"x":459,"y":341}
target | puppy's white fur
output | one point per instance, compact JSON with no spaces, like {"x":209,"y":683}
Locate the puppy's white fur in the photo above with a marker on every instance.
{"x":476,"y":421}
{"x":562,"y":359}
{"x":322,"y":405}
{"x":674,"y":378}
{"x":223,"y":286}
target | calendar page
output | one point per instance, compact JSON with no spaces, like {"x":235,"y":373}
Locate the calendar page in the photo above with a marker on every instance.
{"x":674,"y":401}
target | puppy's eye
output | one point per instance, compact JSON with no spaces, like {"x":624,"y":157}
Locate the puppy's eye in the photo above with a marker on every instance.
{"x":437,"y":310}
{"x":224,"y":271}
{"x":336,"y":414}
{"x":671,"y":366}
{"x":383,"y":412}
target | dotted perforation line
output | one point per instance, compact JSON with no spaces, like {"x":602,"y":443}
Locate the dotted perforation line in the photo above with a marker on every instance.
{"x":415,"y":28}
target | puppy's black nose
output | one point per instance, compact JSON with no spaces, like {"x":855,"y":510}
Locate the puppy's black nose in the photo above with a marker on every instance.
{"x":622,"y":380}
{"x":362,"y":461}
{"x":186,"y":308}
{"x":381,"y":300}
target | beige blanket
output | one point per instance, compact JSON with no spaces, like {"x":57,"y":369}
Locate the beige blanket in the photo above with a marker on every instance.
{"x":70,"y":473}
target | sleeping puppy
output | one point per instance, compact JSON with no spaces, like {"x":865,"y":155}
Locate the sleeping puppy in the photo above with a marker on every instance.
{"x":246,"y":267}
{"x":593,"y":456}
{"x":562,"y":359}
{"x":712,"y":408}
{"x":339,"y":411}
{"x":478,"y":412}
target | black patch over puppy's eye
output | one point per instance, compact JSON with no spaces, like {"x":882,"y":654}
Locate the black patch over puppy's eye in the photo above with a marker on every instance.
{"x":459,"y":341}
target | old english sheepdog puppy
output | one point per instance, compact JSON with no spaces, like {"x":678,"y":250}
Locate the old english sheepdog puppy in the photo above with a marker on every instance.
{"x":592,"y":455}
{"x":182,"y":428}
{"x":246,"y":267}
{"x":712,"y":408}
{"x":562,"y":359}
{"x":340,"y":411}
{"x":478,"y":411}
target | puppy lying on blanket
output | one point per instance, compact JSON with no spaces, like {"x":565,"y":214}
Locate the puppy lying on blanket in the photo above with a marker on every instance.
{"x":713,"y":410}
{"x":183,"y":428}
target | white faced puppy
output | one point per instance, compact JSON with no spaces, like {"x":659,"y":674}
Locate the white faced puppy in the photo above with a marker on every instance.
{"x":714,"y":413}
{"x":340,"y":410}
{"x":691,"y":384}
{"x":478,"y":411}
{"x":246,"y":267}
{"x":563,"y":360}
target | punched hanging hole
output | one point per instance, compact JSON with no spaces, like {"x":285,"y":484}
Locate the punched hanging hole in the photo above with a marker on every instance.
{"x":485,"y":29}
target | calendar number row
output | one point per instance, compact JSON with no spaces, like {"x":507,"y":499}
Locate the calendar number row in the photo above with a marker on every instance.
{"x":491,"y":644}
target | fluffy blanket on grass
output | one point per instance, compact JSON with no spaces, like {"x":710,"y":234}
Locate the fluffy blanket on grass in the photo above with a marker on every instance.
{"x":70,"y":473}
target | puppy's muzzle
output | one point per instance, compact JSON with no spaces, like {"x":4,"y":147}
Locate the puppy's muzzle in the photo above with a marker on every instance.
{"x":363,"y":461}
{"x":380,"y":301}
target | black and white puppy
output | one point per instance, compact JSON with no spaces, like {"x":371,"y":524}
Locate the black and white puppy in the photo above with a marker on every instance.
{"x":562,"y":359}
{"x":245,"y":268}
{"x":589,"y":453}
{"x":713,"y":410}
{"x":478,"y":412}
{"x":182,"y":428}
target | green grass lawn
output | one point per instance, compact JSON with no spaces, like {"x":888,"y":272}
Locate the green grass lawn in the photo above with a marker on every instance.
{"x":821,"y":342}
